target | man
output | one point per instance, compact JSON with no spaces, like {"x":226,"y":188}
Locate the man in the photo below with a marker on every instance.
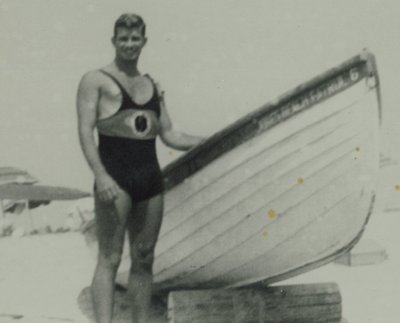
{"x":128,"y":111}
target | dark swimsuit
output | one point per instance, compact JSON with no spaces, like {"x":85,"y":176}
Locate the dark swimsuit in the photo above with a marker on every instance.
{"x":133,"y":163}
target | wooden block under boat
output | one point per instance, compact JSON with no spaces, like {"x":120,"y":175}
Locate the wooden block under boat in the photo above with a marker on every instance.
{"x":292,"y":303}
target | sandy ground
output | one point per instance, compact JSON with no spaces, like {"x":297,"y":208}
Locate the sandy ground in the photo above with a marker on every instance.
{"x":370,"y":294}
{"x":42,"y":277}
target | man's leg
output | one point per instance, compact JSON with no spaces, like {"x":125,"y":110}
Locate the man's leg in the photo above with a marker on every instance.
{"x":111,"y":224}
{"x":143,"y":229}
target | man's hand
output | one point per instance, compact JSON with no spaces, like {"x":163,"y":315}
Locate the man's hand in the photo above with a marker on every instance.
{"x":106,"y":188}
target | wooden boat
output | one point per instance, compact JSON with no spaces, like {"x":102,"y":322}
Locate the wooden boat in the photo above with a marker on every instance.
{"x":285,"y":189}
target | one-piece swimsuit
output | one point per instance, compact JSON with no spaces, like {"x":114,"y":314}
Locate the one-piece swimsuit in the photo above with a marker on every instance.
{"x":133,"y":163}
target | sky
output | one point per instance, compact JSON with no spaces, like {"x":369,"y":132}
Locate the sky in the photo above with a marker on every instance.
{"x":216,"y":60}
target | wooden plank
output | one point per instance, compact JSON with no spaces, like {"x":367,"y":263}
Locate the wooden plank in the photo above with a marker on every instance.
{"x":309,"y":303}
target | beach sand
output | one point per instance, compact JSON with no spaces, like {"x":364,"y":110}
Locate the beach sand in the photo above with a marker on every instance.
{"x":42,"y":278}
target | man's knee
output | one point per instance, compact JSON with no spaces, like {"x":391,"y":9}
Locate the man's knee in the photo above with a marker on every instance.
{"x":142,"y":256}
{"x":110,"y":261}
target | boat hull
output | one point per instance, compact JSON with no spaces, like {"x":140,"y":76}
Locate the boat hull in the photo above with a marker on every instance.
{"x":285,"y":189}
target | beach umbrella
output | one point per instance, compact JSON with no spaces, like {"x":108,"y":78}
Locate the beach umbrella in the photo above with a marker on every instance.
{"x":15,"y":175}
{"x":19,"y":192}
{"x":40,"y":192}
{"x":17,"y":207}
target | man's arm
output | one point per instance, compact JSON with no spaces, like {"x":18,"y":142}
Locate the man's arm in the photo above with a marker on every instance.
{"x":170,"y":136}
{"x":87,"y":107}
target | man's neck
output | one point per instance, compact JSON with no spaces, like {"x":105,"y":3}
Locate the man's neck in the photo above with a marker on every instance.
{"x":127,"y":67}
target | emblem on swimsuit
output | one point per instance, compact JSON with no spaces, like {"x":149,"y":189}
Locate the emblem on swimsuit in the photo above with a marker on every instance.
{"x":140,"y":124}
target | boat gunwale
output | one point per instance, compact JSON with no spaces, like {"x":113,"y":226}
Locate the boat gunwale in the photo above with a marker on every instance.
{"x":186,"y":165}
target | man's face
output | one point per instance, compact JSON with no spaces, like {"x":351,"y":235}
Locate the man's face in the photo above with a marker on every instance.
{"x":128,"y":43}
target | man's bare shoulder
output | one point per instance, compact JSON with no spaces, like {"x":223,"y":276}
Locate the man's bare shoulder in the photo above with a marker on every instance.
{"x":93,"y":78}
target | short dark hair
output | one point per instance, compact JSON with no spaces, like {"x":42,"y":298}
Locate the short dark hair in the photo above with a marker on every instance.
{"x":130,"y":20}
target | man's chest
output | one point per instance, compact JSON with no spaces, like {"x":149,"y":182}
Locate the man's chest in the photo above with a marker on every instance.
{"x":139,"y":90}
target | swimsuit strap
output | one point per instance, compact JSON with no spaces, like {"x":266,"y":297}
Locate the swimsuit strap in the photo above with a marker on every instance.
{"x":127,"y":101}
{"x":156,"y":91}
{"x":122,"y":88}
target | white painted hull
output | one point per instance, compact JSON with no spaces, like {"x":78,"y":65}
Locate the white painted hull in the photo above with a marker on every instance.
{"x":292,"y":196}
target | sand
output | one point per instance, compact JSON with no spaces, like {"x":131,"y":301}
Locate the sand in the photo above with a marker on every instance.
{"x":43,"y":277}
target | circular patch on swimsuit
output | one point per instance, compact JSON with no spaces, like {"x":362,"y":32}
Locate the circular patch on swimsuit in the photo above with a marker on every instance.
{"x":141,"y":124}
